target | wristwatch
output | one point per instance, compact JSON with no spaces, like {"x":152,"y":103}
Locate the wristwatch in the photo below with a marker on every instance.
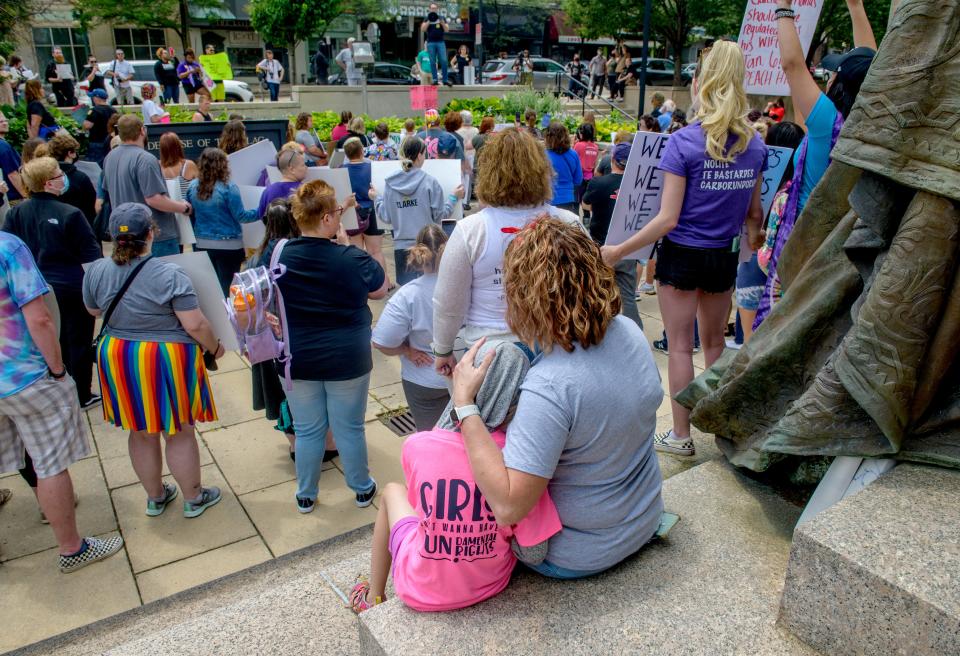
{"x":457,"y":415}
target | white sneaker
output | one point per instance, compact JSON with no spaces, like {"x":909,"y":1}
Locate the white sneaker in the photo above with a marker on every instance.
{"x":731,"y":344}
{"x":646,"y":288}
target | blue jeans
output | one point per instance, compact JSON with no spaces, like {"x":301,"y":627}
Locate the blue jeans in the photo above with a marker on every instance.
{"x":274,"y":88}
{"x":171,"y":93}
{"x":438,"y":59}
{"x":166,"y":247}
{"x":547,"y":568}
{"x":339,"y":405}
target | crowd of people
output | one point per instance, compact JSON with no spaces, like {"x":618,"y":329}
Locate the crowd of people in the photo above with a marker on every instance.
{"x":513,"y":328}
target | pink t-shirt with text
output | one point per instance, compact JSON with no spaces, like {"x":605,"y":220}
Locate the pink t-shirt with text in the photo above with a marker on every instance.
{"x":458,"y":555}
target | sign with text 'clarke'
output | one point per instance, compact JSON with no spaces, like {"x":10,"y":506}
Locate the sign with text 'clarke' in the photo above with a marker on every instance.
{"x":761,"y":45}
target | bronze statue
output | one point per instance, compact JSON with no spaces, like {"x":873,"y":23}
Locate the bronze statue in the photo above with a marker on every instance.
{"x":861,"y":357}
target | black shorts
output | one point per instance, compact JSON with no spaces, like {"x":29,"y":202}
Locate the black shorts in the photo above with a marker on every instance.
{"x":711,"y":270}
{"x":372,"y":229}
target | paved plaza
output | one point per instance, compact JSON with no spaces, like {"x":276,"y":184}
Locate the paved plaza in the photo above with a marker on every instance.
{"x":256,"y":521}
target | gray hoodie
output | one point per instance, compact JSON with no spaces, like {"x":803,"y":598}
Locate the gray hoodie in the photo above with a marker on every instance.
{"x":410,"y":200}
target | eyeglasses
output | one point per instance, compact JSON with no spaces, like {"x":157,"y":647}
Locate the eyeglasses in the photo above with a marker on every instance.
{"x":56,"y":177}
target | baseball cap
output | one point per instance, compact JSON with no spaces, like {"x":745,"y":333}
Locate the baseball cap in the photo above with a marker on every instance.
{"x":431,"y":116}
{"x":130,"y":219}
{"x":97,"y":93}
{"x":850,"y":66}
{"x":446,"y":145}
{"x":621,"y":153}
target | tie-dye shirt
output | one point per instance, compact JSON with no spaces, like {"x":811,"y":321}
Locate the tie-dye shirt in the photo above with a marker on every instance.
{"x":21,"y":362}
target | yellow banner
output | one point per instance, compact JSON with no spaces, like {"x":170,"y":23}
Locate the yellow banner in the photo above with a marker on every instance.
{"x":217,"y":66}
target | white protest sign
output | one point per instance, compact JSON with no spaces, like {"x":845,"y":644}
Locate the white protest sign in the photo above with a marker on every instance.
{"x":446,"y":171}
{"x":198,"y":268}
{"x":639,"y":198}
{"x":273,"y":174}
{"x":248,"y":163}
{"x":339,"y":179}
{"x":761,"y":45}
{"x":254,"y":231}
{"x":184,"y":225}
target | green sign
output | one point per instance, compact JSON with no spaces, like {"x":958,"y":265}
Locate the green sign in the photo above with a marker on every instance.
{"x":217,"y":66}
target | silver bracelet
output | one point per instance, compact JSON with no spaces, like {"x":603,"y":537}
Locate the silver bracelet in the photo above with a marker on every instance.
{"x":784,"y":13}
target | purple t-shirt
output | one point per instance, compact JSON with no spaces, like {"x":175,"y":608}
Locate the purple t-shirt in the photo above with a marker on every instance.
{"x":276,"y":190}
{"x":717,"y":194}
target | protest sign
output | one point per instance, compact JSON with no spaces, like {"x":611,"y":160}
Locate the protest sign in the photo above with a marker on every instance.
{"x":380,"y":171}
{"x":273,"y":174}
{"x":184,"y":226}
{"x":423,"y":97}
{"x":761,"y":45}
{"x":65,"y":71}
{"x":217,"y":66}
{"x":639,"y":198}
{"x":339,"y":179}
{"x":248,"y":163}
{"x":199,"y":269}
{"x":197,"y":136}
{"x":254,"y":231}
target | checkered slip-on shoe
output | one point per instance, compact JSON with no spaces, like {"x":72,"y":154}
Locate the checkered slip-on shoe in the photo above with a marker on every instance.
{"x":97,"y":549}
{"x":666,"y":443}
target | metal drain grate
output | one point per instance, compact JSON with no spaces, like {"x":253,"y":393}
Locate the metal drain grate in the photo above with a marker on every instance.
{"x":402,"y":424}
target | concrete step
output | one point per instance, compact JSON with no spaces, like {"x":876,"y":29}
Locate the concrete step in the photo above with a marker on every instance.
{"x":712,"y":587}
{"x":879,"y":572}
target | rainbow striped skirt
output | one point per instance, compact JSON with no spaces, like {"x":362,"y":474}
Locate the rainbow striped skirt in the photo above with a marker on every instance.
{"x":153,"y":386}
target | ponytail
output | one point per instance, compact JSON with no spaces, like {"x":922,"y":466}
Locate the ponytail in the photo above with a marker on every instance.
{"x":410,"y":150}
{"x":426,"y":253}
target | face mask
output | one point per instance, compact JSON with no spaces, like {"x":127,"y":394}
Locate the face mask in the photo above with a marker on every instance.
{"x":66,"y":185}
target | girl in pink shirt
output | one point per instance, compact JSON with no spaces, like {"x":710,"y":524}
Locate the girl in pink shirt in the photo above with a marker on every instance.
{"x":446,"y":548}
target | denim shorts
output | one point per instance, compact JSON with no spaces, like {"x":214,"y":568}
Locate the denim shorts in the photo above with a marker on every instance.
{"x":689,"y":268}
{"x":750,"y":284}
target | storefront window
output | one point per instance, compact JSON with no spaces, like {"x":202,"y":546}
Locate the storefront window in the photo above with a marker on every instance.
{"x":243,"y":61}
{"x":138,"y":43}
{"x":73,"y":43}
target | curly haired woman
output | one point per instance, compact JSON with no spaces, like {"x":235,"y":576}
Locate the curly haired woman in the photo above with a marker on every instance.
{"x":711,"y":181}
{"x":578,"y":432}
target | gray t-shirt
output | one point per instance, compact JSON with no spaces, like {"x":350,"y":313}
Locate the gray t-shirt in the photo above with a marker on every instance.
{"x":586,"y":420}
{"x":146,"y":311}
{"x":306,"y":139}
{"x":130,"y":174}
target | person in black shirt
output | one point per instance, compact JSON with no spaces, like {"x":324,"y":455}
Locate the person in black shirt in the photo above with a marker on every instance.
{"x":435,"y":27}
{"x":93,"y":75}
{"x":575,"y":70}
{"x":80,"y":192}
{"x":96,"y":124}
{"x":600,"y":198}
{"x":61,"y":240}
{"x":39,"y":121}
{"x":62,"y":84}
{"x":165,"y":70}
{"x":321,"y":65}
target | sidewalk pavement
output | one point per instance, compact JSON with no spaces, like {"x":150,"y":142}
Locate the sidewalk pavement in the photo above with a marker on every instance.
{"x":256,"y":521}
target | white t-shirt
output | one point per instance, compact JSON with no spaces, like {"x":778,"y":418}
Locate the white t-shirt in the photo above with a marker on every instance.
{"x":272,"y":68}
{"x":345,"y":59}
{"x":149,"y":109}
{"x":124,"y":73}
{"x":408,"y":317}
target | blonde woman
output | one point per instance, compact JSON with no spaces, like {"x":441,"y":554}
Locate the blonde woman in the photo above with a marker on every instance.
{"x":711,"y":182}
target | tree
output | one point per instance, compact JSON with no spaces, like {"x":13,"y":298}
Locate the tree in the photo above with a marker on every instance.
{"x":834,"y":29}
{"x":17,"y":16}
{"x":151,"y":14}
{"x":283,"y":21}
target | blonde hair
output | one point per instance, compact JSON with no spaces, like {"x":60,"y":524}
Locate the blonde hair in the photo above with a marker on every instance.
{"x":38,"y":171}
{"x":723,"y":102}
{"x":559,"y":290}
{"x":312,"y":201}
{"x":426,"y":253}
{"x":357,"y":125}
{"x":515,"y":171}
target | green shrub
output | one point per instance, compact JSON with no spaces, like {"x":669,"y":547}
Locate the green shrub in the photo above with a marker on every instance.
{"x":17,"y":116}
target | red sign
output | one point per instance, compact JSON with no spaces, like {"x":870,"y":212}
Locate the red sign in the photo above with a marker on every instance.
{"x":423,"y":97}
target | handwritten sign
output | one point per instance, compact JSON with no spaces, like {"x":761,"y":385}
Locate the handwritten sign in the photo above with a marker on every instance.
{"x":639,"y":198}
{"x":217,"y":66}
{"x":761,"y":45}
{"x":423,"y":97}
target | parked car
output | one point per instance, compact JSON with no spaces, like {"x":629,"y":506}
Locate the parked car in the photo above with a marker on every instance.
{"x":382,"y":73}
{"x":500,"y":72}
{"x":235,"y":90}
{"x":660,"y":71}
{"x":820,"y":74}
{"x":689,"y":69}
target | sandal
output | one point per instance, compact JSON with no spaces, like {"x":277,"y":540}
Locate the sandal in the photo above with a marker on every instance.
{"x":358,"y":596}
{"x":666,"y":443}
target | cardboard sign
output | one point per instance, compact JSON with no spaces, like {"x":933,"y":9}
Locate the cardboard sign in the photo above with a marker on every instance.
{"x":197,"y":136}
{"x":446,"y":171}
{"x":640,"y":192}
{"x":252,"y":232}
{"x":423,"y":97}
{"x":199,"y":269}
{"x":65,"y":71}
{"x":339,"y":179}
{"x":184,"y":225}
{"x":217,"y":66}
{"x":248,"y":163}
{"x":761,"y":45}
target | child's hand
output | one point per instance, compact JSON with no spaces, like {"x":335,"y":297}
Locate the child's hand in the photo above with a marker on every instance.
{"x":274,"y":322}
{"x":351,"y":201}
{"x":372,"y":192}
